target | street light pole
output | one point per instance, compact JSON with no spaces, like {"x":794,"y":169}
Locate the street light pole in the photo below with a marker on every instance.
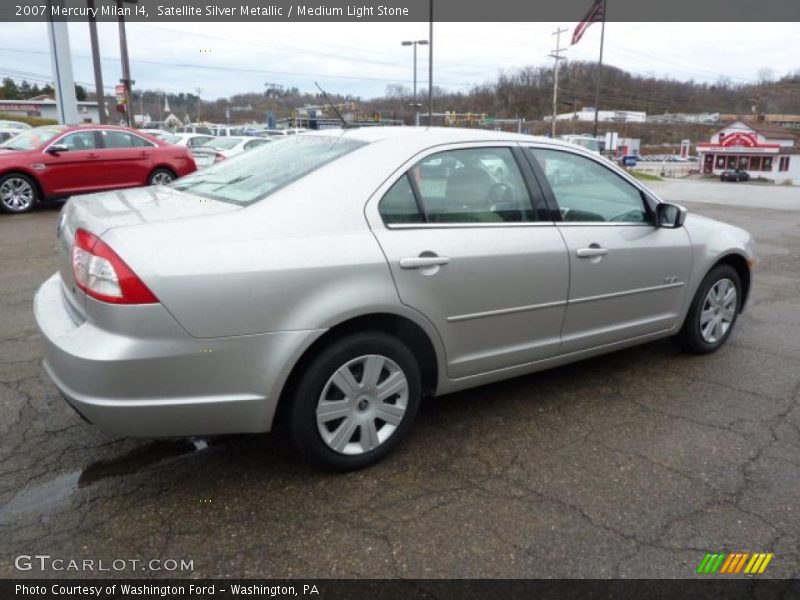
{"x":415,"y":104}
{"x":430,"y":67}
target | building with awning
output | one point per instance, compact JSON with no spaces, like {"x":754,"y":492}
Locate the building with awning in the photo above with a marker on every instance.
{"x":763,"y":150}
{"x":44,"y":107}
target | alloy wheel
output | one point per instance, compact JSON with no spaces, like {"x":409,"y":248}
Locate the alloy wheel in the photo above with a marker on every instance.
{"x":16,"y":194}
{"x":362,"y":404}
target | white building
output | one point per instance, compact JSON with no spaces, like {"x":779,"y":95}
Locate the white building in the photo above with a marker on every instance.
{"x":760,"y":149}
{"x":45,"y":108}
{"x":613,"y":116}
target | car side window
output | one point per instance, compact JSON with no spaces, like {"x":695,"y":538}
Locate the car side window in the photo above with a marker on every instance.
{"x":80,"y":140}
{"x":399,"y":205}
{"x":122,"y":139}
{"x":476,"y":185}
{"x":585,"y":190}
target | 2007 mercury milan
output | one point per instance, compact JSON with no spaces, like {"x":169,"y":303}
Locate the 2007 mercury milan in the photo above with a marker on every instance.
{"x":329,"y":280}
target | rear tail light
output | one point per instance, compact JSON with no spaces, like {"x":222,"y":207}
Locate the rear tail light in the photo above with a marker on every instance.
{"x":219,"y":157}
{"x":103,"y":275}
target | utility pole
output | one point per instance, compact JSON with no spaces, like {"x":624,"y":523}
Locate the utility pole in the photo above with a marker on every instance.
{"x":98,"y":70}
{"x":556,"y":54}
{"x":199,"y":101}
{"x":126,"y":63}
{"x":599,"y":72}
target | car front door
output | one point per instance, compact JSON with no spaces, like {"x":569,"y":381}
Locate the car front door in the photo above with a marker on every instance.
{"x":470,"y":247}
{"x":78,"y":168}
{"x":628,"y":276}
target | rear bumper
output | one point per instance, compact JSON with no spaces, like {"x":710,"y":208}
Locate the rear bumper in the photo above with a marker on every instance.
{"x":156,"y":380}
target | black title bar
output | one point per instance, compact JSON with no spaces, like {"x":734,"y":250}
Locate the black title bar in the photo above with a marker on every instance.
{"x":402,"y":10}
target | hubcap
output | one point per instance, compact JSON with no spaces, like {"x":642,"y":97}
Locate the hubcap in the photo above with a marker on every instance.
{"x":362,"y":404}
{"x":162,"y":178}
{"x":719,"y":310}
{"x":16,"y":194}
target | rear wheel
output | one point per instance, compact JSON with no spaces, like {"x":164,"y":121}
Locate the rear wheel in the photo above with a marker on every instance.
{"x":161,"y":177}
{"x":355,"y":402}
{"x":18,"y":193}
{"x":714,"y":311}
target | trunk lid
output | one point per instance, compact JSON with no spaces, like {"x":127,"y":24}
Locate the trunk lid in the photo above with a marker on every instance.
{"x":98,"y":213}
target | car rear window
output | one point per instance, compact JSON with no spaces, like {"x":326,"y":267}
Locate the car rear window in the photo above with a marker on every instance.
{"x":254,"y":175}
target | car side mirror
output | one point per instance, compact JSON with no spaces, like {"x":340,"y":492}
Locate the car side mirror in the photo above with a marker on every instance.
{"x":670,"y":216}
{"x":57,"y":149}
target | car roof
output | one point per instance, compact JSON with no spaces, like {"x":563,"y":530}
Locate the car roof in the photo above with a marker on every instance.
{"x":431,"y":136}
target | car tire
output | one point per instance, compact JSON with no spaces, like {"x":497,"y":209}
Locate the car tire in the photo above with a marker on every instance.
{"x":713,"y":314}
{"x":18,"y":193}
{"x":348,"y":433}
{"x":161,"y":176}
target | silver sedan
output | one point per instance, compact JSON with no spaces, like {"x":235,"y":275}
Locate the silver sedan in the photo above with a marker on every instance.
{"x":325,"y":283}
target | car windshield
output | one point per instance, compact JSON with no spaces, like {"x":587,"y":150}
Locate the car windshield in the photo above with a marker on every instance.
{"x":224,"y":143}
{"x":34,"y":138}
{"x":254,"y":175}
{"x":170,"y":139}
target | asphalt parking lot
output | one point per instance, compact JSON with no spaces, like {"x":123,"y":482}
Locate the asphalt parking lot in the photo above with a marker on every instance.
{"x":634,"y":464}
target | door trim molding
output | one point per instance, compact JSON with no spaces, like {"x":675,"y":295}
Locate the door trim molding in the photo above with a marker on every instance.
{"x":644,"y":290}
{"x":505,"y":311}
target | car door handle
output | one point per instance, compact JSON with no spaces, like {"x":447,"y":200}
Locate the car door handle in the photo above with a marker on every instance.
{"x":417,"y":262}
{"x":591,"y":251}
{"x":92,"y":155}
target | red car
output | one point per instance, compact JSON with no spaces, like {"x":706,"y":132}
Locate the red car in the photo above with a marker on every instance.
{"x":57,"y":161}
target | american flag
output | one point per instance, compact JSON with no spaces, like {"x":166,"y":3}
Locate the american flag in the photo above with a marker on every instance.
{"x":596,"y":13}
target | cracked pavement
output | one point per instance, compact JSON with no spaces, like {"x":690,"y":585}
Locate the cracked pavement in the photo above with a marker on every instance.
{"x":634,"y":464}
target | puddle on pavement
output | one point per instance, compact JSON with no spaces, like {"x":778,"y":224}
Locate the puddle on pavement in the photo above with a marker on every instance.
{"x":40,"y":498}
{"x":44,"y":497}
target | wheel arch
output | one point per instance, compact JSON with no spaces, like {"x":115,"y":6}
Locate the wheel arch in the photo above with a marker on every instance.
{"x":161,"y":167}
{"x":742,"y":268}
{"x":404,"y":328}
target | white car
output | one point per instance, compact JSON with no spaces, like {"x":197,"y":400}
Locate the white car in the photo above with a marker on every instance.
{"x":188,"y":140}
{"x":9,"y":129}
{"x":221,"y":148}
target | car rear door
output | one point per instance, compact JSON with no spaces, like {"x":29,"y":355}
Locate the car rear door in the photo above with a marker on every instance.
{"x":628,"y":276}
{"x":126,"y":157}
{"x":470,"y":247}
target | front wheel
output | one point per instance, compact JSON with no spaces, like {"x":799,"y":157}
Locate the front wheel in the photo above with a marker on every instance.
{"x":18,"y":193}
{"x":355,"y":402}
{"x":713,"y":312}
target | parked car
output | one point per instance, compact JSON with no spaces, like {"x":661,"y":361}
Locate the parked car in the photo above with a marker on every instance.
{"x":734,"y":175}
{"x":58,"y":161}
{"x":188,"y":140}
{"x":10,"y":129}
{"x":226,"y":130}
{"x":221,"y":148}
{"x":159,"y":133}
{"x":325,"y":282}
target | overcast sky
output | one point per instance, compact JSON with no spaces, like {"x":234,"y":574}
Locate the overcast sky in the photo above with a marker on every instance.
{"x":363,"y":58}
